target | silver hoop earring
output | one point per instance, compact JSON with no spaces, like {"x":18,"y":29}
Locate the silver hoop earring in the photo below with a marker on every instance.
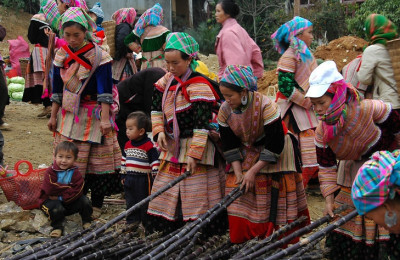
{"x":390,"y":221}
{"x":244,"y":100}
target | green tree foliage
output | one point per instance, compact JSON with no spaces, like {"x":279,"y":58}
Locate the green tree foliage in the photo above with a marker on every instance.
{"x":328,"y":18}
{"x":31,"y":6}
{"x":390,"y":9}
{"x":205,"y":34}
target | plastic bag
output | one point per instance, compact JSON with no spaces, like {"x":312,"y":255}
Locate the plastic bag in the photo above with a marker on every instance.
{"x":19,"y":48}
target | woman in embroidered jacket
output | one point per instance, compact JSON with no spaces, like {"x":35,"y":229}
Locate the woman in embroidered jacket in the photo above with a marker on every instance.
{"x":36,"y":66}
{"x":292,"y":40}
{"x":262,"y":156}
{"x":233,"y":44}
{"x":90,"y":124}
{"x":149,"y":37}
{"x":376,"y":66}
{"x":181,"y":114}
{"x":124,"y":63}
{"x":349,"y":130}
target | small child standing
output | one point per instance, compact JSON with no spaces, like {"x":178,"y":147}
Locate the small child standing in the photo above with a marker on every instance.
{"x":61,"y":193}
{"x":139,"y":166}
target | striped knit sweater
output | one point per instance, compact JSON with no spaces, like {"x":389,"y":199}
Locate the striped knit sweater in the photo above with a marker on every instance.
{"x":140,"y":157}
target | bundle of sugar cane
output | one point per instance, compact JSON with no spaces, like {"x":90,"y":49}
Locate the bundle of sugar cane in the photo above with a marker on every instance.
{"x":254,"y":246}
{"x":293,"y":235}
{"x":104,"y":253}
{"x":80,"y":250}
{"x":188,"y":227}
{"x":211,"y":255}
{"x":54,"y":243}
{"x":150,"y":245}
{"x":203,"y":248}
{"x":321,"y":233}
{"x":100,"y":230}
{"x":202,"y":222}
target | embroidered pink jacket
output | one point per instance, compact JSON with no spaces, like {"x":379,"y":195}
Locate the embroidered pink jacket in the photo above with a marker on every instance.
{"x":234,"y":46}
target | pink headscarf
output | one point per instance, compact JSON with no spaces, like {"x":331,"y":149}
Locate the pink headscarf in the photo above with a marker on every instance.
{"x":124,"y":15}
{"x":344,"y":95}
{"x":76,"y":3}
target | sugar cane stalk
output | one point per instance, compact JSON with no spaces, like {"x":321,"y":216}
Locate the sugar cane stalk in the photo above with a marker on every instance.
{"x":306,"y":248}
{"x":184,"y":231}
{"x":318,"y":234}
{"x":232,"y":197}
{"x":150,"y":245}
{"x":138,"y":205}
{"x":251,"y":249}
{"x":293,"y":235}
{"x":85,"y":248}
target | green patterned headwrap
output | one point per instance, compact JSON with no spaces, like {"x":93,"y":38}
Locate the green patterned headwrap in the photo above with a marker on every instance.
{"x":185,"y":43}
{"x":380,"y":29}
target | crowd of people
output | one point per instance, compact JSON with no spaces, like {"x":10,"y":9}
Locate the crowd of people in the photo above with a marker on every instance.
{"x":136,"y":121}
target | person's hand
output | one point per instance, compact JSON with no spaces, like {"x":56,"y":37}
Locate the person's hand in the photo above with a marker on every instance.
{"x":122,"y":181}
{"x":239,"y":177}
{"x":329,"y":205}
{"x":52,"y":124}
{"x":214,"y":135}
{"x":162,"y":141}
{"x":47,"y":31}
{"x":191,"y":164}
{"x":53,"y":197}
{"x":249,"y":181}
{"x":105,"y":127}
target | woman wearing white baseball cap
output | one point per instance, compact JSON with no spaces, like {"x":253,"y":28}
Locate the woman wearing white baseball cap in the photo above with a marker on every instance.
{"x":350,"y":130}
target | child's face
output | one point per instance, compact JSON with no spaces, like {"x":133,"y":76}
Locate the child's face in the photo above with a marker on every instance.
{"x":65,"y":159}
{"x":132,"y":131}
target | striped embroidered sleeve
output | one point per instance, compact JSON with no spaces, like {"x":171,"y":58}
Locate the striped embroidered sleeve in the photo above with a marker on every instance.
{"x":202,"y":116}
{"x":156,"y":114}
{"x":327,"y":170}
{"x":153,"y":155}
{"x":298,"y":98}
{"x":198,"y":143}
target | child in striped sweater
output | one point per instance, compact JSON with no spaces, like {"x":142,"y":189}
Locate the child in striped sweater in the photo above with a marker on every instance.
{"x":139,"y":166}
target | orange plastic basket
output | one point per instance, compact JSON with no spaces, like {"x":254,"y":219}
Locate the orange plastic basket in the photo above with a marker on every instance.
{"x":23,"y":188}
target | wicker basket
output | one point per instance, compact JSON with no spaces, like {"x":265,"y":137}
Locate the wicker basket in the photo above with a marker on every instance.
{"x":23,"y":64}
{"x":394,"y":52}
{"x":109,"y":30}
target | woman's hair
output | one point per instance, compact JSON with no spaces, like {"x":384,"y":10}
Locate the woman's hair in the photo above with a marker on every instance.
{"x":231,"y":86}
{"x":68,"y":147}
{"x":329,"y":94}
{"x":72,"y":23}
{"x":230,"y":7}
{"x":184,"y":56}
{"x":142,"y":120}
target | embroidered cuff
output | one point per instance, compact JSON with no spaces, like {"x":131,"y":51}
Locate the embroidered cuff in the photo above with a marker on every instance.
{"x":198,"y":144}
{"x":56,"y":97}
{"x":233,"y":155}
{"x":157,"y":122}
{"x":328,"y":180}
{"x":268,"y":156}
{"x":105,"y":98}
